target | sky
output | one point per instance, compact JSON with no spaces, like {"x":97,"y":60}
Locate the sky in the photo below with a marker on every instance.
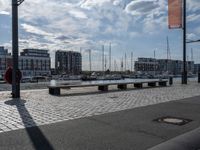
{"x":138,"y":26}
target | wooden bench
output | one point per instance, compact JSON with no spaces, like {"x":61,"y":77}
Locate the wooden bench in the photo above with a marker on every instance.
{"x":122,"y":85}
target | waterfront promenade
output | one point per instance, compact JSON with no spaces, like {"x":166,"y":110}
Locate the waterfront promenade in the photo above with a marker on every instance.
{"x":88,"y":119}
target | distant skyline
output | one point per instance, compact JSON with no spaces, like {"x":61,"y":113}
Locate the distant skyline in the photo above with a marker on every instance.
{"x":138,"y":26}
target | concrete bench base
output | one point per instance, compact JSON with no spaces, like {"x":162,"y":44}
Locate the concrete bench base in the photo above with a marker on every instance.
{"x":138,"y":85}
{"x":54,"y":91}
{"x":162,"y":83}
{"x":122,"y":86}
{"x":103,"y":88}
{"x":152,"y":84}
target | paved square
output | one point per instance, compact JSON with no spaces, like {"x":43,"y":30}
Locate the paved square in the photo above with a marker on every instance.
{"x":37,"y":107}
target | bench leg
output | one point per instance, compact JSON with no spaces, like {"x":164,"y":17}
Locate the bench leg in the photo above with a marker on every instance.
{"x":122,"y":86}
{"x":138,"y":85}
{"x":162,"y":83}
{"x":103,"y":88}
{"x":152,"y":84}
{"x":54,"y":91}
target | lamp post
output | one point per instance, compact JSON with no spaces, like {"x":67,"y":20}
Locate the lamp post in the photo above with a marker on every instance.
{"x":184,"y":75}
{"x":15,"y":83}
{"x":154,"y":53}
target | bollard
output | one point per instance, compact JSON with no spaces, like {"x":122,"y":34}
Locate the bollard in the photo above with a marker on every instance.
{"x":170,"y":80}
{"x":198,"y":77}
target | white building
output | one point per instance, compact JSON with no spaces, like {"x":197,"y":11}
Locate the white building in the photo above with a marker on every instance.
{"x":32,"y":62}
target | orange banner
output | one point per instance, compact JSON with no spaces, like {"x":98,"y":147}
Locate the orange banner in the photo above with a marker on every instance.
{"x":175,"y":14}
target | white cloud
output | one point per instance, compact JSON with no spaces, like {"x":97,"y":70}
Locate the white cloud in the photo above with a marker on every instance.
{"x":193,"y":5}
{"x":4,"y":13}
{"x":141,"y":7}
{"x":34,"y":30}
{"x":117,"y":2}
{"x":151,"y":12}
{"x":134,"y":34}
{"x":193,"y":17}
{"x":5,"y":5}
{"x":88,"y":4}
{"x":191,"y":36}
{"x":78,"y":14}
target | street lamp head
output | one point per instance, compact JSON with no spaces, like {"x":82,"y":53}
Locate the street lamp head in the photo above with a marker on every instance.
{"x":17,"y":2}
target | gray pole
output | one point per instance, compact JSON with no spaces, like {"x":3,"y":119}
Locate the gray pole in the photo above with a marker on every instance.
{"x":125,"y":62}
{"x":184,"y":76}
{"x":15,"y":84}
{"x":103,"y":58}
{"x":131,"y":61}
{"x":154,"y":63}
{"x":167,"y":69}
{"x":110,"y":57}
{"x":192,"y":57}
{"x":115,"y":65}
{"x":90,"y":60}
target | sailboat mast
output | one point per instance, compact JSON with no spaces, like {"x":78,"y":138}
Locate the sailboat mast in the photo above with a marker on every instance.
{"x":110,"y":57}
{"x":131,"y":61}
{"x":103,"y":58}
{"x":90,"y":60}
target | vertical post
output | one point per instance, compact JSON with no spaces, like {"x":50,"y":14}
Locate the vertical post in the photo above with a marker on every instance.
{"x":115,"y":65}
{"x":131,"y":61}
{"x":15,"y":83}
{"x":5,"y":61}
{"x":167,"y":68}
{"x":90,"y":60}
{"x":184,"y":75}
{"x":122,"y":65}
{"x":192,"y":57}
{"x":105,"y":63}
{"x":103,"y":58}
{"x":110,"y":57}
{"x":125,"y":62}
{"x":154,"y":63}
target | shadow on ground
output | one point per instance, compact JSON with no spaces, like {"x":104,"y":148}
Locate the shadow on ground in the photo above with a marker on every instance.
{"x":38,"y":139}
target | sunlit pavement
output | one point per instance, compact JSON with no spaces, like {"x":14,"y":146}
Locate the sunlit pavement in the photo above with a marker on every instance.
{"x":37,"y":107}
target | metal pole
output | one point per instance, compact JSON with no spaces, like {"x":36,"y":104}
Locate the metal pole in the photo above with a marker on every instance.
{"x":154,"y":63}
{"x":192,"y":57}
{"x":125,"y":61}
{"x":105,"y":62}
{"x":131,"y":61}
{"x":15,"y":83}
{"x":115,"y":65}
{"x":90,"y":60}
{"x":122,"y":65}
{"x":167,"y":69}
{"x":184,"y":76}
{"x":110,"y":57}
{"x":103,"y":58}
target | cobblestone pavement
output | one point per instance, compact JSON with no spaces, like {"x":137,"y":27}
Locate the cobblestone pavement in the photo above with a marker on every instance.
{"x":37,"y":107}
